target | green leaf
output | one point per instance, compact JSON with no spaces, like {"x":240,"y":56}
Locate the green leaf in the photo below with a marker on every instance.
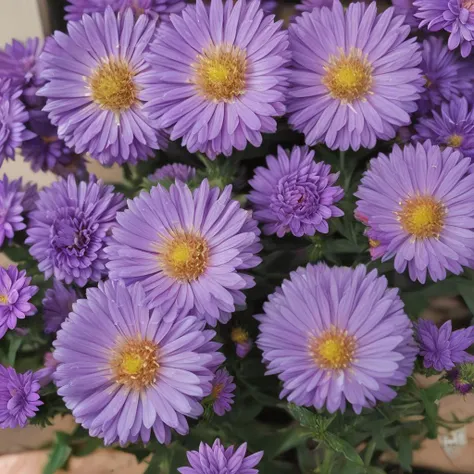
{"x":155,"y":464}
{"x":466,"y":289}
{"x":430,"y":397}
{"x":16,"y":253}
{"x":59,"y":454}
{"x":375,"y":470}
{"x":405,"y":452}
{"x":343,"y":447}
{"x":284,"y":440}
{"x":15,"y":343}
{"x":318,"y":424}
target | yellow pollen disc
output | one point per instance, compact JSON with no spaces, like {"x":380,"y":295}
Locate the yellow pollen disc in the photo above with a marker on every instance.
{"x":3,"y":299}
{"x":220,"y":73}
{"x":333,"y":350}
{"x":422,"y":217}
{"x":136,"y":364}
{"x":239,"y":335}
{"x":349,"y":76}
{"x":50,"y":139}
{"x":374,"y":243}
{"x":185,"y":256}
{"x":216,"y":390}
{"x":113,"y":86}
{"x":455,"y":140}
{"x":427,"y":81}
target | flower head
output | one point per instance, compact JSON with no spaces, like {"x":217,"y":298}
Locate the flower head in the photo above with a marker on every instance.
{"x":174,"y":171}
{"x":222,"y":395}
{"x":462,"y":377}
{"x":295,"y":194}
{"x":417,"y":201}
{"x":337,"y":335}
{"x":57,"y":304}
{"x":19,"y":399}
{"x":217,"y":460}
{"x":46,"y":375}
{"x":69,"y":229}
{"x":218,"y":76}
{"x":188,"y":248}
{"x":144,"y":374}
{"x":354,"y":77}
{"x":243,"y":343}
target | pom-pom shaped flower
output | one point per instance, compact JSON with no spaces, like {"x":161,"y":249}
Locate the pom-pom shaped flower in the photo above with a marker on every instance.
{"x":335,"y":335}
{"x":57,"y":304}
{"x":218,"y":76}
{"x":308,"y":5}
{"x":95,"y":87}
{"x":172,"y":172}
{"x":143,"y":374}
{"x":19,"y":399}
{"x":295,"y":194}
{"x":406,"y":7}
{"x":222,"y":395}
{"x":188,"y":248}
{"x":418,"y":200}
{"x":354,"y":77}
{"x":69,"y":228}
{"x":442,"y":348}
{"x":15,"y":294}
{"x":217,"y":460}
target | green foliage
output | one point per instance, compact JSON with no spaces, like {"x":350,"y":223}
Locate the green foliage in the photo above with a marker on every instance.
{"x":59,"y":454}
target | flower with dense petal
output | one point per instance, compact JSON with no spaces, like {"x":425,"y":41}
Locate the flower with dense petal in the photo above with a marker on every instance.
{"x":124,"y":371}
{"x":337,"y":335}
{"x":308,"y":5}
{"x":218,"y":76}
{"x":354,"y":78}
{"x":188,"y":248}
{"x":174,"y":171}
{"x":295,"y":194}
{"x":57,"y":304}
{"x":406,"y":7}
{"x":218,"y":460}
{"x":95,"y":87}
{"x":222,"y":395}
{"x":70,"y":227}
{"x":419,"y":200}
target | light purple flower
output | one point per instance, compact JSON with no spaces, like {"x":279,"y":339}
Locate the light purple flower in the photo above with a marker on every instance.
{"x":354,"y":78}
{"x":217,"y":460}
{"x":222,"y":394}
{"x":337,"y":335}
{"x":218,"y":76}
{"x":189,"y":249}
{"x":70,"y":227}
{"x":295,"y":194}
{"x":243,"y":343}
{"x":308,"y":5}
{"x":173,"y":171}
{"x":95,"y":87}
{"x":125,"y":372}
{"x":462,"y":378}
{"x":406,"y":7}
{"x":57,"y":304}
{"x":419,"y":201}
{"x":45,"y":375}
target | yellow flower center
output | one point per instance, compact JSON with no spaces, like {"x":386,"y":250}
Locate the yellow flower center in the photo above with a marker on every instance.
{"x":334,"y":349}
{"x":216,"y":391}
{"x":113,"y":86}
{"x":373,"y":243}
{"x":50,"y":139}
{"x":349,"y":76}
{"x":422,"y":217}
{"x":136,"y":364}
{"x":3,"y":299}
{"x":454,"y":140}
{"x":239,"y":335}
{"x":428,"y":83}
{"x":220,"y":73}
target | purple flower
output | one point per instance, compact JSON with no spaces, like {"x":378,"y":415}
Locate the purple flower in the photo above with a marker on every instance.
{"x":418,"y":201}
{"x":15,"y":294}
{"x":222,"y":394}
{"x":243,"y":343}
{"x":453,"y":126}
{"x":124,"y":371}
{"x":406,"y":8}
{"x":442,"y":348}
{"x":462,"y":377}
{"x":268,"y":6}
{"x":45,"y":375}
{"x":308,"y":5}
{"x":354,"y":76}
{"x":295,"y":194}
{"x":69,"y":229}
{"x":174,"y":171}
{"x":95,"y":87}
{"x":188,"y":248}
{"x":19,"y":399}
{"x":217,"y":459}
{"x":218,"y":76}
{"x":377,"y":244}
{"x":57,"y":304}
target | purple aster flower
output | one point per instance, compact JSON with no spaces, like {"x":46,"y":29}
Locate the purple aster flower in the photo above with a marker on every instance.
{"x":15,"y":294}
{"x":462,"y":377}
{"x":188,"y":248}
{"x":337,"y":335}
{"x":222,"y":394}
{"x":19,"y":399}
{"x":57,"y":304}
{"x":377,"y":244}
{"x":218,"y":76}
{"x":69,"y":228}
{"x":354,"y":76}
{"x":406,"y":8}
{"x":243,"y":343}
{"x":174,"y":171}
{"x":95,"y":87}
{"x":418,"y":200}
{"x":45,"y":375}
{"x":442,"y":348}
{"x":295,"y":194}
{"x":124,"y":371}
{"x":217,"y":459}
{"x":308,"y":5}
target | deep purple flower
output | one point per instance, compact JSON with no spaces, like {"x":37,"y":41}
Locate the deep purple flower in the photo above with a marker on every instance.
{"x":419,"y":201}
{"x":337,"y":335}
{"x":217,"y":460}
{"x":188,"y":248}
{"x":57,"y":304}
{"x":222,"y":394}
{"x":308,"y":5}
{"x":295,"y":194}
{"x":218,"y":76}
{"x":15,"y":294}
{"x":243,"y":343}
{"x":462,"y":377}
{"x":95,"y":87}
{"x":406,"y":7}
{"x":45,"y":375}
{"x":174,"y":171}
{"x":124,"y":371}
{"x":354,"y":76}
{"x":19,"y":399}
{"x":69,"y":228}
